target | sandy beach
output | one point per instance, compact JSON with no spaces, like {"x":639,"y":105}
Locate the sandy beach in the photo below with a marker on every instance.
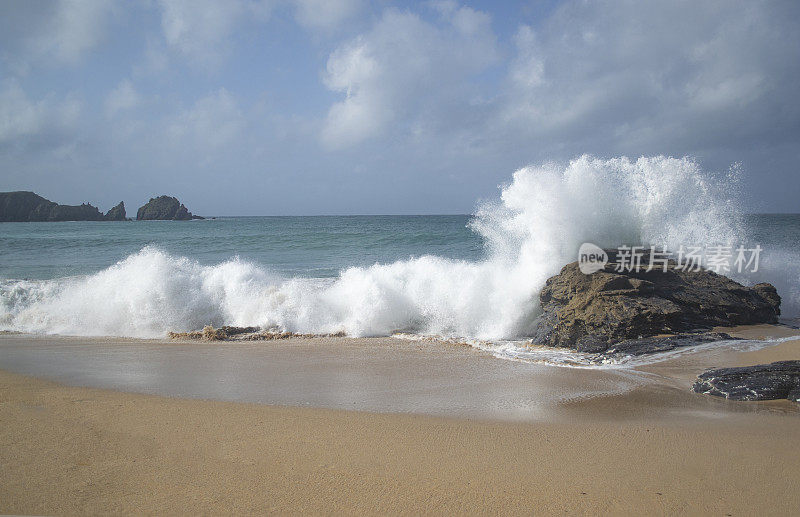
{"x":399,"y":258}
{"x":650,"y":447}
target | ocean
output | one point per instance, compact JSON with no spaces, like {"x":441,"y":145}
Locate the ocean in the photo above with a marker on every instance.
{"x":457,"y":276}
{"x":314,"y":247}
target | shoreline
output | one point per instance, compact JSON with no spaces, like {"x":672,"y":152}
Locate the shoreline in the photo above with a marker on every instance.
{"x":382,"y":374}
{"x":85,"y":450}
{"x":652,"y":447}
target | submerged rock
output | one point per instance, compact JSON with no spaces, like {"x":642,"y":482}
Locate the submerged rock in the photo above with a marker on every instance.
{"x":654,"y":345}
{"x":229,"y":333}
{"x":779,"y":380}
{"x":209,"y":333}
{"x":597,"y":312}
{"x":164,"y":208}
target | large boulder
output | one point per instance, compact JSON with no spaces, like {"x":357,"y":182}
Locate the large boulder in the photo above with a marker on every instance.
{"x":779,"y":380}
{"x":594,"y":312}
{"x":117,"y":213}
{"x":164,"y":208}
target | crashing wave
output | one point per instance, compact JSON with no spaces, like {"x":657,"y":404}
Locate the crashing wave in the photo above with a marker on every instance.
{"x":536,"y":227}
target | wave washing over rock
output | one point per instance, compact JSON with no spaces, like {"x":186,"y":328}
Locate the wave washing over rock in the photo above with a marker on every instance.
{"x":536,"y":227}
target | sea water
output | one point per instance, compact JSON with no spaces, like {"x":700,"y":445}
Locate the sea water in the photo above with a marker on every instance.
{"x":473,"y":277}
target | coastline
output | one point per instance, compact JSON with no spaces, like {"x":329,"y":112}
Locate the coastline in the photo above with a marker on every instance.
{"x":385,"y":375}
{"x":653,"y":447}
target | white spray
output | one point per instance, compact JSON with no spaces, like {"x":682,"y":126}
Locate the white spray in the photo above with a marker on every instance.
{"x":535,"y":228}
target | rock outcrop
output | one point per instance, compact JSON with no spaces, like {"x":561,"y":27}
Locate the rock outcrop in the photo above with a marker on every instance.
{"x":116,"y":214}
{"x":230,"y":333}
{"x":29,"y":207}
{"x":779,"y":380}
{"x":596,"y":312}
{"x":23,"y":206}
{"x":164,"y":208}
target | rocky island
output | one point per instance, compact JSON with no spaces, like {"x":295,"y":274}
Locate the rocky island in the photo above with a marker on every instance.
{"x":164,"y":208}
{"x":117,"y":213}
{"x":26,"y":206}
{"x":30,"y":207}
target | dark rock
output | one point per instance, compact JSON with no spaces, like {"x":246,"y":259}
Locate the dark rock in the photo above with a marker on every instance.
{"x":83,"y":212}
{"x":595,"y":312}
{"x":23,"y":206}
{"x":30,"y":207}
{"x":164,"y":208}
{"x":780,"y":380}
{"x":117,"y":213}
{"x":654,"y":345}
{"x":233,"y":331}
{"x":769,"y":293}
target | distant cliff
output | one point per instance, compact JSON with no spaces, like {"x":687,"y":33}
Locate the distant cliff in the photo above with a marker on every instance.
{"x":164,"y":208}
{"x":30,"y":207}
{"x":117,"y":213}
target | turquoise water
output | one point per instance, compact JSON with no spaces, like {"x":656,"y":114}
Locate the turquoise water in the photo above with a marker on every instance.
{"x":467,"y":277}
{"x":290,"y":246}
{"x":318,"y":246}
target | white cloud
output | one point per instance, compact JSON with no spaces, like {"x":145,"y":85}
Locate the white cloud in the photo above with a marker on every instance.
{"x":155,"y":59}
{"x":606,"y":77}
{"x":325,"y":14}
{"x":19,"y":116}
{"x":402,"y":67}
{"x":212,"y":123}
{"x":368,"y":107}
{"x":61,"y":31}
{"x":644,"y":76}
{"x":123,"y":97}
{"x":200,"y":29}
{"x":78,"y":26}
{"x":23,"y":120}
{"x":424,"y":95}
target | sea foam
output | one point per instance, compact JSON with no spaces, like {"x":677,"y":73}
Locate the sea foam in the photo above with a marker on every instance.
{"x":530,"y":232}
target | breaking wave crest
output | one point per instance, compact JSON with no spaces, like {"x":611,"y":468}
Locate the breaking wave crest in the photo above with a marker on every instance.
{"x":536,"y":227}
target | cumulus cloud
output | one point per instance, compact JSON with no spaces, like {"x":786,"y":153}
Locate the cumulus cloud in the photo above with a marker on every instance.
{"x":200,"y":29}
{"x":325,"y":14}
{"x":78,"y":25}
{"x":123,"y":97}
{"x":403,"y":68}
{"x":25,"y":121}
{"x":433,"y":94}
{"x":61,"y":31}
{"x":606,"y":77}
{"x":212,"y":123}
{"x":642,"y":76}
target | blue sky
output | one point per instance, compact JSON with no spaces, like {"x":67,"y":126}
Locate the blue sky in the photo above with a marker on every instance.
{"x":248,"y":107}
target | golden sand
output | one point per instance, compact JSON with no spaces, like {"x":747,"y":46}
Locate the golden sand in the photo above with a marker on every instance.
{"x":659,"y":449}
{"x":77,"y":450}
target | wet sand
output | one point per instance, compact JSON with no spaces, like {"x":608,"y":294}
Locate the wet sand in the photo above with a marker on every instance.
{"x":784,"y":351}
{"x":648,"y":445}
{"x":364,"y":374}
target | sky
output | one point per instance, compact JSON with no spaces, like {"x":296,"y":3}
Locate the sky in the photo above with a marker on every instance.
{"x":279,"y":107}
